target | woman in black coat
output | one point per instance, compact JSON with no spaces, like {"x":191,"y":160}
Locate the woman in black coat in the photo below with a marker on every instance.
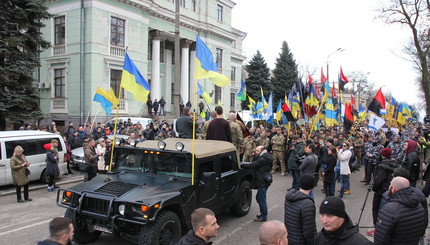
{"x":329,"y":171}
{"x":412,"y":161}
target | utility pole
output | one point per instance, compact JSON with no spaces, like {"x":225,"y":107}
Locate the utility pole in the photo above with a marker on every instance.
{"x":177,"y":80}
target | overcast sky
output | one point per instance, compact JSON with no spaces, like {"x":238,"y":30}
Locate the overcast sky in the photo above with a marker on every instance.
{"x":314,"y":29}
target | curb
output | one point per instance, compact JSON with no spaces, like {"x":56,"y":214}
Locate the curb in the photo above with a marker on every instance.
{"x":38,"y":187}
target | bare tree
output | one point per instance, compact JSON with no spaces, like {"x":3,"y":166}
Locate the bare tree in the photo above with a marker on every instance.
{"x":416,"y":15}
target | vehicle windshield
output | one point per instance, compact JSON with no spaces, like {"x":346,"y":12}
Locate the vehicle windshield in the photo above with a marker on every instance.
{"x":144,"y":161}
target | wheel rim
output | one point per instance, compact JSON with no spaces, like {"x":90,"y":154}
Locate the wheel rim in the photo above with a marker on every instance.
{"x":167,"y":233}
{"x":245,"y":200}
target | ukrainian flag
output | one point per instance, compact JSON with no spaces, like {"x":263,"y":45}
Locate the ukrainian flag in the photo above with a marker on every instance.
{"x":330,"y":114}
{"x":106,"y":99}
{"x":133,"y":81}
{"x":206,"y":67}
{"x":204,"y":94}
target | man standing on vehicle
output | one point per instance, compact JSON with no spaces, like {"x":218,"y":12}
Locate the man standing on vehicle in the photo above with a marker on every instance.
{"x":263,"y":178}
{"x":91,"y":158}
{"x":219,"y":128}
{"x":204,"y":225}
{"x":184,"y":125}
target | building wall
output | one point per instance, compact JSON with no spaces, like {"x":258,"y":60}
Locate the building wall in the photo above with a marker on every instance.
{"x":141,"y":17}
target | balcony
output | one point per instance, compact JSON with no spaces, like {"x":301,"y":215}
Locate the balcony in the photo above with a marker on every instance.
{"x":117,"y":51}
{"x":58,"y":105}
{"x":59,"y":49}
{"x":123,"y":106}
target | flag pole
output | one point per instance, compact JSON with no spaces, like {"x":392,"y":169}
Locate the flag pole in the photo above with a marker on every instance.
{"x":95,"y":116}
{"x":115,"y":128}
{"x":193,"y":142}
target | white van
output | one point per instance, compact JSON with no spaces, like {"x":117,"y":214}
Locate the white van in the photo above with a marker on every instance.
{"x":142,"y":120}
{"x":32,"y":142}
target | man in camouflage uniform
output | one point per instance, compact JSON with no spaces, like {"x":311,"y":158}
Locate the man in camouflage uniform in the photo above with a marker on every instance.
{"x":248,"y":147}
{"x":372,"y":156}
{"x":236,"y":132}
{"x":397,"y":147}
{"x":263,"y":140}
{"x":278,"y":141}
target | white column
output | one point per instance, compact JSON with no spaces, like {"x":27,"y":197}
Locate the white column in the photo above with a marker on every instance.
{"x":192,"y":69}
{"x":168,"y":97}
{"x":155,"y":70}
{"x":185,"y":75}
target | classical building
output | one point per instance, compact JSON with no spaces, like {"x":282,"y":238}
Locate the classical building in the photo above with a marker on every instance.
{"x":90,"y":38}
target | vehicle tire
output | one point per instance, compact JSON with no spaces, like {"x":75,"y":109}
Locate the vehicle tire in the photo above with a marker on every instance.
{"x":44,"y":177}
{"x":243,"y":203}
{"x":166,"y":230}
{"x":82,"y":235}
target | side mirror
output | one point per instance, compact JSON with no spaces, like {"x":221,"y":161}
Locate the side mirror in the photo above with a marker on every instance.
{"x":208,"y":180}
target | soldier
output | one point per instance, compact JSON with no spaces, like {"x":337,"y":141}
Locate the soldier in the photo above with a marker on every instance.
{"x":397,"y":147}
{"x":278,"y":155}
{"x":248,"y":147}
{"x":372,"y":156}
{"x":263,"y":140}
{"x":236,"y":132}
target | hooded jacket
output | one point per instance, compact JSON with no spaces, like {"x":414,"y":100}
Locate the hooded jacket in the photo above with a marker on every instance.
{"x":300,"y":217}
{"x":262,"y":165}
{"x":346,"y":234}
{"x":402,"y":220}
{"x":383,"y":175}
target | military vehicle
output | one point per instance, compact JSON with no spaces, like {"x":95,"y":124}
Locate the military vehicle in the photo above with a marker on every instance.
{"x":148,"y":197}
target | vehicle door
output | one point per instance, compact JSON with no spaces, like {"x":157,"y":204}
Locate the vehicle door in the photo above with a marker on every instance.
{"x":208,"y":183}
{"x":4,"y":165}
{"x":227,"y":169}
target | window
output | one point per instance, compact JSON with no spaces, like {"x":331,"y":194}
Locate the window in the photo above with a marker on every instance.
{"x":232,"y":99}
{"x":226,"y":163}
{"x":193,"y":2}
{"x":115,"y":82}
{"x":31,"y":146}
{"x":219,"y":58}
{"x":233,"y":73}
{"x":117,"y":31}
{"x":60,"y":30}
{"x":60,"y":83}
{"x":219,"y":10}
{"x":217,"y":94}
{"x":182,"y":3}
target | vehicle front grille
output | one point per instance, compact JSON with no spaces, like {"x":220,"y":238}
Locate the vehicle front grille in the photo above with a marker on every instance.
{"x":95,"y":205}
{"x":116,"y":188}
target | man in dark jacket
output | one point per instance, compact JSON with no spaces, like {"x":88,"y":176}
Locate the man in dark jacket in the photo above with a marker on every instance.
{"x":263,"y":178}
{"x":299,"y":215}
{"x":91,"y":158}
{"x":155,"y":106}
{"x":337,"y":226}
{"x":296,"y":151}
{"x":204,"y":228}
{"x":401,"y":220}
{"x":219,"y":128}
{"x":61,"y":232}
{"x":184,"y":125}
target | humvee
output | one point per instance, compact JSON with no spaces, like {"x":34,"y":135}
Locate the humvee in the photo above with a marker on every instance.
{"x":148,"y":197}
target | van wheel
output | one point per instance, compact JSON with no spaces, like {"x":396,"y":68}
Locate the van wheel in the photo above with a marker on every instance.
{"x":166,"y":230}
{"x":81,"y":234}
{"x":44,"y":177}
{"x":243,"y":203}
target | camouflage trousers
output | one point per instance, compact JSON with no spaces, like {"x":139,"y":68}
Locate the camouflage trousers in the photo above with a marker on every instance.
{"x":247,"y":158}
{"x":278,"y":157}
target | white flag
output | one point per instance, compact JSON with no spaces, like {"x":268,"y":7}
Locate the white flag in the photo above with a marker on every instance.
{"x":375,"y":122}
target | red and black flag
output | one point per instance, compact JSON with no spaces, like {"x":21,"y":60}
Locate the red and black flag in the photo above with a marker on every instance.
{"x":287,"y":112}
{"x":348,"y":119}
{"x":323,"y":80}
{"x":377,"y":103}
{"x":354,"y":107}
{"x":342,"y":80}
{"x":245,"y":130}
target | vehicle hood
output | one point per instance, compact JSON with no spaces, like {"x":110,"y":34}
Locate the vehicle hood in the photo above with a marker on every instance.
{"x":134,"y":187}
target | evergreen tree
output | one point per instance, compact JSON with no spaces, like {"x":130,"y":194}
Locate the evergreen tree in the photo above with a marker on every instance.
{"x":258,"y":77}
{"x":285,"y":73}
{"x":20,"y":45}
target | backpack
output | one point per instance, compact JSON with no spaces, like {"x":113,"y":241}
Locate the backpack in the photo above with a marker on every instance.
{"x":353,"y":163}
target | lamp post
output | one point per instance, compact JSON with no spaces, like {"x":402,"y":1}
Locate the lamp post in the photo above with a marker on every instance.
{"x":328,"y":56}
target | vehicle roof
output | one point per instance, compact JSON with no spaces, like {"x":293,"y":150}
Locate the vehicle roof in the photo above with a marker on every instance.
{"x":203,"y":148}
{"x":24,"y":133}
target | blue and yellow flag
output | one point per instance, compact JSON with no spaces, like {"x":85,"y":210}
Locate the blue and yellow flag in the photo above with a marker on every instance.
{"x":204,"y":94}
{"x":133,"y":81}
{"x":106,"y":99}
{"x":279,"y":111}
{"x":330,"y":113}
{"x":269,"y":115}
{"x":206,"y":67}
{"x":241,"y":95}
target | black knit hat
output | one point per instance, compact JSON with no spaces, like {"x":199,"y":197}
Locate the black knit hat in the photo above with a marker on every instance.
{"x":333,"y":205}
{"x":307,"y":182}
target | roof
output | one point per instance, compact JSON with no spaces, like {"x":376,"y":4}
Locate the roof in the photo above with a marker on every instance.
{"x":23,"y":133}
{"x":203,"y":148}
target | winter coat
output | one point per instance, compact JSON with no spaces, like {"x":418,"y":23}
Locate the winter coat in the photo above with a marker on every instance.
{"x":294,"y":155}
{"x":329,"y":171}
{"x":402,"y":220}
{"x":346,"y":234}
{"x":262,"y":165}
{"x":18,"y":172}
{"x":91,"y":156}
{"x":52,"y":163}
{"x":343,"y":156}
{"x":309,"y":164}
{"x":383,"y":175}
{"x":101,"y":161}
{"x":48,"y":242}
{"x":191,"y":239}
{"x":412,"y":164}
{"x":300,"y":217}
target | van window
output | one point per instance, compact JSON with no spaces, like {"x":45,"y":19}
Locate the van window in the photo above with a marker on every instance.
{"x":30,"y":146}
{"x":226,"y":163}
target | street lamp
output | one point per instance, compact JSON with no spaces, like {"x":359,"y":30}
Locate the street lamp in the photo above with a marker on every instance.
{"x":328,"y":56}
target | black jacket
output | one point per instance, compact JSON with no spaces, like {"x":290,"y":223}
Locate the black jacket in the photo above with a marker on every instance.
{"x":402,"y":220}
{"x":191,"y":239}
{"x":48,"y":242}
{"x":262,"y":165}
{"x":329,"y":171}
{"x":412,"y":164}
{"x":300,"y":218}
{"x":346,"y":234}
{"x":383,"y":175}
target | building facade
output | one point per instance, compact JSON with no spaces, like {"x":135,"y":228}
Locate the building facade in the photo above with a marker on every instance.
{"x":90,"y":38}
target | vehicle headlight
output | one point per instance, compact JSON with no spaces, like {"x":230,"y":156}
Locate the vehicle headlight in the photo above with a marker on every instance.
{"x":179,"y":146}
{"x":121,"y":209}
{"x":161,"y":145}
{"x":117,"y":141}
{"x":133,"y":142}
